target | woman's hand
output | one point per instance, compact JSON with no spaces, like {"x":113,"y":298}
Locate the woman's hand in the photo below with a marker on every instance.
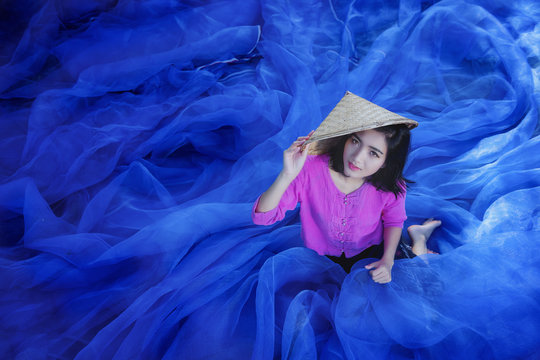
{"x":382,"y":271}
{"x":295,"y":156}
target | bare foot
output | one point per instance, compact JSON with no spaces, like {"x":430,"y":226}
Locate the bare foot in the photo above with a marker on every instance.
{"x":420,"y":234}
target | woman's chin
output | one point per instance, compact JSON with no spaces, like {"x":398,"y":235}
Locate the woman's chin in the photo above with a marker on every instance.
{"x":351,"y":175}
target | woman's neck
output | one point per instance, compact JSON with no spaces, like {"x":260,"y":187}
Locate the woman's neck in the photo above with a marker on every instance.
{"x":344,"y":183}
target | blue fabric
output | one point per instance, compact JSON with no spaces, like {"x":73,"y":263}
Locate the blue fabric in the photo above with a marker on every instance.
{"x":135,"y":136}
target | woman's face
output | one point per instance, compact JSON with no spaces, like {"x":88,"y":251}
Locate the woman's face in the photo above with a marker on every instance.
{"x":364,"y":154}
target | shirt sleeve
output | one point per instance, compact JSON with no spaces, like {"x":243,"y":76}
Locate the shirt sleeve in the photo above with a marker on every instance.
{"x":394,"y":214}
{"x":288,"y":201}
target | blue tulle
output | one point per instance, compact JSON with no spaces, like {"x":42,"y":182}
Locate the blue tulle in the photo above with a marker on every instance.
{"x":135,"y":136}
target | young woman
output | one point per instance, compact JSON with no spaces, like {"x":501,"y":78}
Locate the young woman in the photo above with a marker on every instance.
{"x":352,"y":195}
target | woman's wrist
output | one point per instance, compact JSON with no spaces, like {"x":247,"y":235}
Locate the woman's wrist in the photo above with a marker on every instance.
{"x":388,"y":259}
{"x":285,"y":177}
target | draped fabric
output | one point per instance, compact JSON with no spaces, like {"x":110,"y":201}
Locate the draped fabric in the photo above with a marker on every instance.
{"x":135,"y":136}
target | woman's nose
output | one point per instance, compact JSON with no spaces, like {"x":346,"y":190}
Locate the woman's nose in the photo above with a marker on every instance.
{"x":360,"y":156}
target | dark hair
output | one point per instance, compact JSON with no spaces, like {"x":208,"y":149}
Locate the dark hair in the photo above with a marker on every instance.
{"x":390,"y":176}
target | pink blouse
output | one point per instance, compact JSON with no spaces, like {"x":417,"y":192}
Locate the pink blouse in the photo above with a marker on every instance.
{"x":333,"y":222}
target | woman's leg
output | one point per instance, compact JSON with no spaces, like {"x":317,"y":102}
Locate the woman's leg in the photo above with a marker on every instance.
{"x":420,"y":234}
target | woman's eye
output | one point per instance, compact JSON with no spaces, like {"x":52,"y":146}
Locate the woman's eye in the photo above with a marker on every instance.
{"x":354,"y":141}
{"x":373,"y":153}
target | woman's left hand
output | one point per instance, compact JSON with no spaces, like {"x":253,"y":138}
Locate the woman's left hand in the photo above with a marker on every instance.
{"x":382,"y":271}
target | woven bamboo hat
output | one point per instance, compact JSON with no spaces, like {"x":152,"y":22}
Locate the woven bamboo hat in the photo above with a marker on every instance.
{"x":353,"y":114}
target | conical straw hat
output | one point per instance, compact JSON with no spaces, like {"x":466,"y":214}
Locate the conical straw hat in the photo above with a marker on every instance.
{"x":353,"y":114}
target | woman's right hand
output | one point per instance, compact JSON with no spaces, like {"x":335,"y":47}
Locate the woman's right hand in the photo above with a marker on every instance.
{"x":295,"y":156}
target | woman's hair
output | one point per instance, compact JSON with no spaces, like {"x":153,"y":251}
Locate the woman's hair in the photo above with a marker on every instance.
{"x":390,"y":176}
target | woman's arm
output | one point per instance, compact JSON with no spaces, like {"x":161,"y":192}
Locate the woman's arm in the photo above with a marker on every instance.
{"x":269,"y":199}
{"x":293,"y":161}
{"x":382,"y":269}
{"x":391,"y":236}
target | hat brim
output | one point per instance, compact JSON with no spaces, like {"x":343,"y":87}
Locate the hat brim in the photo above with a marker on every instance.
{"x":411,"y":124}
{"x":353,"y":114}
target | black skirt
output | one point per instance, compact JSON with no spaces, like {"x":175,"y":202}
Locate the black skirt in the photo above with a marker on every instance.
{"x":403,"y":251}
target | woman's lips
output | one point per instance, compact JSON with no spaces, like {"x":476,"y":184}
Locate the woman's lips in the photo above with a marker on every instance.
{"x":352,"y":167}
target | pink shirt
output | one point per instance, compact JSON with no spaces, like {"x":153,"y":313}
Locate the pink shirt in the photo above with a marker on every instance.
{"x":333,"y":222}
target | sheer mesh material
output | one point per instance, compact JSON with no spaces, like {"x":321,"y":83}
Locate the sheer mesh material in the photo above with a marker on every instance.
{"x":135,"y":136}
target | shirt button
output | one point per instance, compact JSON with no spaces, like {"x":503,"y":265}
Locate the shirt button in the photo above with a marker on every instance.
{"x":343,"y":222}
{"x":342,"y":241}
{"x":340,"y":234}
